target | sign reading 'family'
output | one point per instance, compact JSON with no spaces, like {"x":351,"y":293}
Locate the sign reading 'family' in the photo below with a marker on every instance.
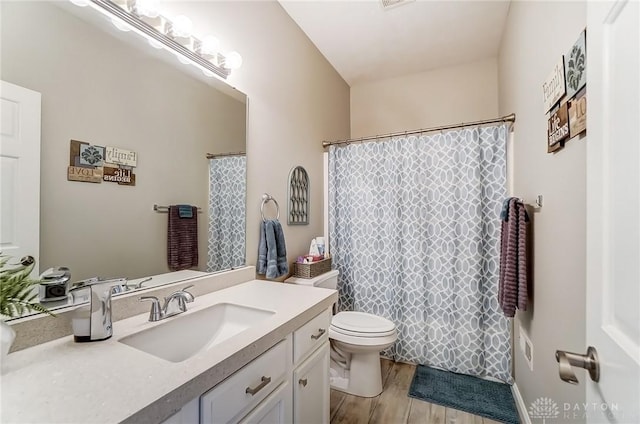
{"x":554,"y":86}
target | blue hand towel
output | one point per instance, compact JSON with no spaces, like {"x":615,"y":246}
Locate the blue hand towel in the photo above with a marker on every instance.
{"x":185,"y":211}
{"x":272,"y":251}
{"x":281,"y":249}
{"x":262,"y":251}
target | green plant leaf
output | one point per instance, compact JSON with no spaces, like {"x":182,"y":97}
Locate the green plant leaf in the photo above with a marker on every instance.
{"x":17,"y":293}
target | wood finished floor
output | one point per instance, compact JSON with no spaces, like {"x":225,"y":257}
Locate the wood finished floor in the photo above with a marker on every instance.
{"x":393,"y":406}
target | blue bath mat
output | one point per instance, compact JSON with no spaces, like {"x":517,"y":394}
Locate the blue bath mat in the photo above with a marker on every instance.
{"x":466,"y":393}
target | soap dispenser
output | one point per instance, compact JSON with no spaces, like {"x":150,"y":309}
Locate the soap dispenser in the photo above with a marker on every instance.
{"x":92,"y":321}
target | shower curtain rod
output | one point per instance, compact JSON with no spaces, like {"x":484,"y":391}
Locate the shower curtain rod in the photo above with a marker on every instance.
{"x":219,"y":155}
{"x":508,"y":118}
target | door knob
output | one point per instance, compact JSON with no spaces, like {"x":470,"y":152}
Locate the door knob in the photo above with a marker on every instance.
{"x":568,"y":360}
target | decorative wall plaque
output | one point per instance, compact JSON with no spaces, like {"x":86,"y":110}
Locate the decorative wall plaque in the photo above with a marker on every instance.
{"x":121,"y":176}
{"x":85,"y":162}
{"x":553,"y":88}
{"x":86,"y":175}
{"x":575,"y":65}
{"x":578,"y":114}
{"x":298,"y":210}
{"x":94,"y":164}
{"x":120,"y":156}
{"x":558,"y":129}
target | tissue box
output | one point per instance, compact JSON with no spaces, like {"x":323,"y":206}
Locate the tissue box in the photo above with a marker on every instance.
{"x":311,"y":270}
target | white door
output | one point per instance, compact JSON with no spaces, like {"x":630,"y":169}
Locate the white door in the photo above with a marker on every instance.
{"x":20,"y":172}
{"x":613,"y":209}
{"x":311,"y":388}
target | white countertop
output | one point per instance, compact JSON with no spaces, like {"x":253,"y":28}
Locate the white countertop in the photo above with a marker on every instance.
{"x":108,"y":381}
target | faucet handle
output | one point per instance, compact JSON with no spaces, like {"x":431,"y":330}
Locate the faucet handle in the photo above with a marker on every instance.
{"x":156,"y":311}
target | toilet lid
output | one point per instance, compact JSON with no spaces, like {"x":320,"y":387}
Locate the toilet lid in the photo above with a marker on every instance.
{"x":362,"y":323}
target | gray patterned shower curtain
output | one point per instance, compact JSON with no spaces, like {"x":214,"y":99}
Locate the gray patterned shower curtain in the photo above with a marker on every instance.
{"x":227,"y":191}
{"x":414,"y":231}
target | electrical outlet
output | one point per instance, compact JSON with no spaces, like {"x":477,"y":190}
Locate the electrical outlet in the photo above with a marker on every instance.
{"x":526,"y":347}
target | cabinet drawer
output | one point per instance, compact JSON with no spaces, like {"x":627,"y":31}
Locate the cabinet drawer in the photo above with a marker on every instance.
{"x":231,"y":399}
{"x":276,"y":409}
{"x":311,"y":335}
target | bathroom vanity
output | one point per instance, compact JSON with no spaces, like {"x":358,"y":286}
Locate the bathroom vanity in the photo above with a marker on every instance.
{"x":274,"y":369}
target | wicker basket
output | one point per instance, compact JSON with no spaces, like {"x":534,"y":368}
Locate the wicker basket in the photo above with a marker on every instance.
{"x":313,"y":269}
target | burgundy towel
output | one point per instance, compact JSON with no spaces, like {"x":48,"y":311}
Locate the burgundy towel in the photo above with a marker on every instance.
{"x":512,"y":291}
{"x":182,"y":239}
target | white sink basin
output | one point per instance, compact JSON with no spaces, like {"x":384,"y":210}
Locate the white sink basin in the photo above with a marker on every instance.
{"x":178,"y":338}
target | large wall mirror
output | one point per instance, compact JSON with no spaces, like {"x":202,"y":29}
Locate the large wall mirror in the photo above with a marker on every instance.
{"x":109,"y":88}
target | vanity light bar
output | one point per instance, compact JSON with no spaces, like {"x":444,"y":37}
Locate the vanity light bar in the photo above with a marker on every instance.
{"x":144,"y":29}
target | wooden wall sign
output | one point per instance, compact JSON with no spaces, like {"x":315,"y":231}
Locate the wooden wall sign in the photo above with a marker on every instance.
{"x":86,"y":175}
{"x":119,"y":156}
{"x":575,"y":65}
{"x":554,"y":87}
{"x":558,"y":129}
{"x":85,"y":162}
{"x":94,"y":164}
{"x":119,"y":175}
{"x":578,"y":114}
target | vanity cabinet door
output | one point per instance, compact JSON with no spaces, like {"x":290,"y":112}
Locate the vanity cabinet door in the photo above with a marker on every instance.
{"x":275,"y":409}
{"x":311,"y":388}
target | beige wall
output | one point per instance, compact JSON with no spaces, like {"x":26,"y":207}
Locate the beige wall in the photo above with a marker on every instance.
{"x":443,"y":96}
{"x":99,"y":89}
{"x":536,"y":36}
{"x":296,"y":100}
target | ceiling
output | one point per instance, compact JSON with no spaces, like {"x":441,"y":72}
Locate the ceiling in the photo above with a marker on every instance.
{"x":366,"y":42}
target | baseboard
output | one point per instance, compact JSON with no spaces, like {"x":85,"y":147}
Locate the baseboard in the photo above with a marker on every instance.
{"x":520,"y":405}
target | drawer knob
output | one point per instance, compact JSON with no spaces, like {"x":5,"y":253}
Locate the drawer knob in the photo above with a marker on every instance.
{"x":321,"y":331}
{"x":303,"y":381}
{"x":264,"y":382}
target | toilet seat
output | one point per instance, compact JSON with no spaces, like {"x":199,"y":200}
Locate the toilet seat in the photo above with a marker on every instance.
{"x":362,"y":329}
{"x":362,"y":324}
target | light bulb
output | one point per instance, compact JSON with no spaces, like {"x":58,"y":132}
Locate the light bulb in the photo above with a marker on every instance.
{"x":182,"y":26}
{"x":232,"y":60}
{"x":81,"y":3}
{"x":155,"y":44}
{"x":147,"y":8}
{"x":120,"y":25}
{"x":210,"y":45}
{"x":208,"y":73}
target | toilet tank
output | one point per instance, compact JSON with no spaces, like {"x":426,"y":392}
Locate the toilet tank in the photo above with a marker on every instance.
{"x":328,"y":280}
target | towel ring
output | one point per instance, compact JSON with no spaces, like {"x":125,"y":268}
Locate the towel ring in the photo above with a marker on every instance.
{"x":265,"y":199}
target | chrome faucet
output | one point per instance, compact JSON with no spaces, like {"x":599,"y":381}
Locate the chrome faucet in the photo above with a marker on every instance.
{"x":92,"y":321}
{"x":174,"y":304}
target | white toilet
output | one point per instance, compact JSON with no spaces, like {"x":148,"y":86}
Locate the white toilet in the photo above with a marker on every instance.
{"x":356,"y":341}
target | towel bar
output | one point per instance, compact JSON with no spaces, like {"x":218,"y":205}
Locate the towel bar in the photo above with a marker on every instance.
{"x":265,"y":199}
{"x":161,"y":209}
